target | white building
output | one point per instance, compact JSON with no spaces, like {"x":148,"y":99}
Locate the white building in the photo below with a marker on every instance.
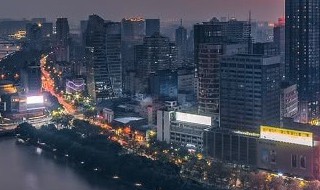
{"x":182,"y":128}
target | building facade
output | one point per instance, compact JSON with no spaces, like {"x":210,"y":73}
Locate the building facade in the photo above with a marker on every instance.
{"x":182,"y":128}
{"x":62,"y":40}
{"x":303,"y":54}
{"x":155,"y":54}
{"x":98,"y":78}
{"x":212,"y":40}
{"x":152,"y":26}
{"x":114,"y":56}
{"x":250,"y":91}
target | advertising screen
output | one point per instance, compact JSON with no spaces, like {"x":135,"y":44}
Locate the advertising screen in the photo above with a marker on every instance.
{"x":286,"y":135}
{"x":193,"y":118}
{"x":35,"y":100}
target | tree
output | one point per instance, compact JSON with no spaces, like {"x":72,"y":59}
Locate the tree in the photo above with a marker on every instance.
{"x":313,"y":185}
{"x":293,"y":184}
{"x":276,"y":183}
{"x":257,"y":181}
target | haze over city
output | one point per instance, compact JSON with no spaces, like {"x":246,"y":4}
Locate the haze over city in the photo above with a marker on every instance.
{"x":160,"y":94}
{"x":265,"y":10}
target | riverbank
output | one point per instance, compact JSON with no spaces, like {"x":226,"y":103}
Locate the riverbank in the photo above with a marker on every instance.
{"x":25,"y":167}
{"x":88,"y":150}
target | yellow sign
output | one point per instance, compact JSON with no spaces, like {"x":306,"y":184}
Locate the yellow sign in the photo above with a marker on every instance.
{"x":286,"y":135}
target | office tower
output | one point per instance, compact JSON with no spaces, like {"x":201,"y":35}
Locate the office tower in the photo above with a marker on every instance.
{"x":34,"y":36}
{"x":262,"y":32}
{"x":62,"y":40}
{"x":267,"y":48}
{"x":190,"y":46}
{"x":133,"y":32}
{"x":156,"y":53}
{"x":208,"y":41}
{"x":98,"y":81}
{"x":212,"y":40}
{"x":279,"y":40}
{"x":114,"y":58}
{"x":187,"y":86}
{"x":47,"y":29}
{"x":303,"y":54}
{"x":31,"y":78}
{"x":152,"y":26}
{"x":83,"y":28}
{"x":249,"y":91}
{"x":218,"y":32}
{"x":181,"y":42}
{"x":237,"y":31}
{"x":164,"y":84}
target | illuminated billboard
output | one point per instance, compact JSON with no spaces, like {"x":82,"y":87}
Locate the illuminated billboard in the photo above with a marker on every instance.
{"x":286,"y":135}
{"x":193,"y":118}
{"x":35,"y":100}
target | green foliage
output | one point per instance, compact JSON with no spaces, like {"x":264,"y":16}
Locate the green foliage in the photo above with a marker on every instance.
{"x":96,"y":151}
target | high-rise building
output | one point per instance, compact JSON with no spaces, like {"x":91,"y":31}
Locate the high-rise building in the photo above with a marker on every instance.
{"x":114,"y":57}
{"x":181,"y":42}
{"x":34,"y":36}
{"x":303,"y":54}
{"x":133,"y":32}
{"x":212,"y":40}
{"x":267,"y":48}
{"x":31,"y":78}
{"x":164,"y":84}
{"x":62,"y":39}
{"x":156,"y":53}
{"x":47,"y":29}
{"x":83,"y":29}
{"x":279,"y":40}
{"x":249,"y":91}
{"x":98,"y":81}
{"x":152,"y":26}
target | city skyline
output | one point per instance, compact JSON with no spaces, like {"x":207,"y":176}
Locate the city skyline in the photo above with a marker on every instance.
{"x":166,"y":10}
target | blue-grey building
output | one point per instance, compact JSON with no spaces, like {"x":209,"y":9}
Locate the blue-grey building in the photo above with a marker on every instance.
{"x":164,"y":84}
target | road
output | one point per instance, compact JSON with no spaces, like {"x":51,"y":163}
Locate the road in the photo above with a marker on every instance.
{"x":48,"y":85}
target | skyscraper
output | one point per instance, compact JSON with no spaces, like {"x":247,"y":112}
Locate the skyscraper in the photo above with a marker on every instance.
{"x":98,"y":81}
{"x":303,"y":54}
{"x":249,"y":91}
{"x":31,"y":78}
{"x":114,"y":58}
{"x":133,"y":32}
{"x":164,"y":84}
{"x":34,"y":36}
{"x":62,"y":39}
{"x":181,"y":42}
{"x":152,"y":26}
{"x":212,"y":40}
{"x":156,"y":53}
{"x":279,"y":40}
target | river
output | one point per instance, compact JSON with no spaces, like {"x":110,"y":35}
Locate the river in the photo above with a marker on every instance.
{"x":24,"y":168}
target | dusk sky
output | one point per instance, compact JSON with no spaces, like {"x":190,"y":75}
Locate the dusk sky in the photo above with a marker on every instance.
{"x":268,"y":10}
